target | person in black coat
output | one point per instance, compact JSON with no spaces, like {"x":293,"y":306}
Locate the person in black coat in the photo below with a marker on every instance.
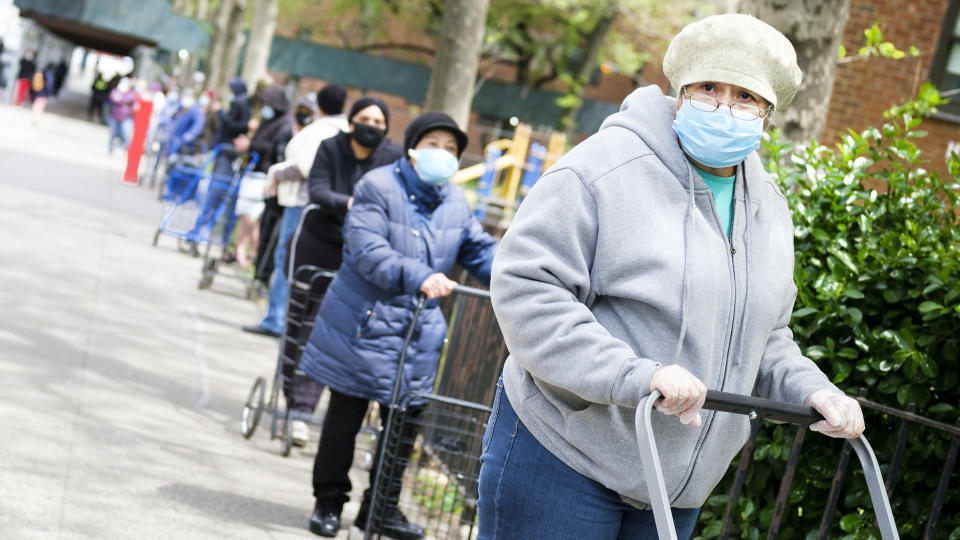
{"x":233,"y":122}
{"x":340,"y":162}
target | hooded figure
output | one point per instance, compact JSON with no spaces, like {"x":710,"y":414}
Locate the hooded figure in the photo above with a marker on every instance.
{"x":655,"y":255}
{"x":233,"y":122}
{"x":276,"y":127}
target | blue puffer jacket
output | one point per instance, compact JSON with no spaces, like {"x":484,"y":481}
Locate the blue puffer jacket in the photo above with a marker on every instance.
{"x":393,"y":241}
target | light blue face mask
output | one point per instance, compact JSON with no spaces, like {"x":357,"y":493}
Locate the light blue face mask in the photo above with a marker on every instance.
{"x":434,"y":165}
{"x":716,"y":139}
{"x":267,"y":112}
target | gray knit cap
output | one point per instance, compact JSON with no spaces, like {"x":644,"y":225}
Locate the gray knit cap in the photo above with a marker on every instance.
{"x":735,"y":49}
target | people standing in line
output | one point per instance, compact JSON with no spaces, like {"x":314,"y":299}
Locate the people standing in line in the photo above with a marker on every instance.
{"x":277,"y":125}
{"x":289,"y":178}
{"x":405,"y":230}
{"x":41,"y":89}
{"x":670,"y":270}
{"x":211,"y":118}
{"x":122,"y":100}
{"x":339,"y":163}
{"x":21,"y":90}
{"x":98,"y":95}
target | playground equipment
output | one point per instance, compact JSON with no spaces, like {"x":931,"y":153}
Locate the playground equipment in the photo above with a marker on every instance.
{"x":509,"y":169}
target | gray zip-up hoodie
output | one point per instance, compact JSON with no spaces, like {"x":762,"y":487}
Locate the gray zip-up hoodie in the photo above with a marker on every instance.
{"x":615,"y":264}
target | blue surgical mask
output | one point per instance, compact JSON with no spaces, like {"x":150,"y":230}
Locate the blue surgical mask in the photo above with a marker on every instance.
{"x":716,"y":139}
{"x":434,"y":165}
{"x":267,"y":112}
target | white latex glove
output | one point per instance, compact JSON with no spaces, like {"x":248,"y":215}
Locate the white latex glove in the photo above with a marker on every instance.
{"x":437,"y":285}
{"x":842,"y":414}
{"x":683,"y":393}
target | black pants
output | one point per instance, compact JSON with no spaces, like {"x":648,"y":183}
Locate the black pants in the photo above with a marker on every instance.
{"x":331,"y":482}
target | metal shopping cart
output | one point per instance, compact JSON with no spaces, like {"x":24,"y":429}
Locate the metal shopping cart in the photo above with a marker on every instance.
{"x":442,"y":437}
{"x":754,"y":408}
{"x":196,"y":198}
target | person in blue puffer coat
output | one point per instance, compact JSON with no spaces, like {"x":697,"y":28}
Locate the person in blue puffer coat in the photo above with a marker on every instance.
{"x":406,"y":229}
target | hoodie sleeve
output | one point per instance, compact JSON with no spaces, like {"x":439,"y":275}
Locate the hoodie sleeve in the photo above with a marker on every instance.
{"x":365,"y":232}
{"x":542,"y":288}
{"x":785,"y":374}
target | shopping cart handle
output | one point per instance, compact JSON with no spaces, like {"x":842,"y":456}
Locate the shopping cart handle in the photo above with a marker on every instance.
{"x":755,"y":407}
{"x":471,"y":291}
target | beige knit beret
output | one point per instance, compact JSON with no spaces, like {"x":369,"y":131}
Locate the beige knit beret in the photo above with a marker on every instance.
{"x":735,"y":49}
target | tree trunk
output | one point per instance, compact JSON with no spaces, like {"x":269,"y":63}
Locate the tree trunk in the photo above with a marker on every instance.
{"x":815,"y":27}
{"x":257,"y":56}
{"x":203,"y":9}
{"x":215,"y":71}
{"x":458,"y":55}
{"x":234,"y":44}
{"x":588,"y":61}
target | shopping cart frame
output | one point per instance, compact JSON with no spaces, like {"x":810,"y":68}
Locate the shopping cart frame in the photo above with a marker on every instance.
{"x":754,"y":408}
{"x":375,"y":517}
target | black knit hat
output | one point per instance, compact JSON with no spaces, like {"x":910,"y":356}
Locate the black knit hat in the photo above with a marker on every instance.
{"x":428,"y":122}
{"x":330,"y":99}
{"x":365,"y":102}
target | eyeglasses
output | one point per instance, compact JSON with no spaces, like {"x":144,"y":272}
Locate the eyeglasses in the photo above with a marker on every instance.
{"x":740,"y":111}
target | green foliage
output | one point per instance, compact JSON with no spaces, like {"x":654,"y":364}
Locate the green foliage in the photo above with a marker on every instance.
{"x":878,"y":307}
{"x":876,"y":46}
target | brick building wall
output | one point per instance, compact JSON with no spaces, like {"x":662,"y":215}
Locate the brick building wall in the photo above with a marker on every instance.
{"x":864,"y":89}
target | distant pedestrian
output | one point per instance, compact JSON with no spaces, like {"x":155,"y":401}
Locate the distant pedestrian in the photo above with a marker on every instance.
{"x":122,"y":100}
{"x":99,"y":93}
{"x":41,"y":89}
{"x":21,"y":90}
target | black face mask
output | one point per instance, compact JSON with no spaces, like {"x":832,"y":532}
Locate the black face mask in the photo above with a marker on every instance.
{"x":368,"y":136}
{"x":304,"y":118}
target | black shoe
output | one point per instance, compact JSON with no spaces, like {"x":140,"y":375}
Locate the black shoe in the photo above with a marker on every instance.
{"x":257,"y":329}
{"x":395,"y":524}
{"x":324,"y":522}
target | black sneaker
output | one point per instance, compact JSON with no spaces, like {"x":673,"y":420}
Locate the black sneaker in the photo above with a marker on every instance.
{"x":395,"y":524}
{"x":325,"y":522}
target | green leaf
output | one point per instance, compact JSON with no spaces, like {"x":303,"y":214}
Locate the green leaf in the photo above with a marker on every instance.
{"x":849,"y":522}
{"x":712,"y":530}
{"x":929,"y":306}
{"x":941,"y":408}
{"x":841,"y":51}
{"x":803,"y":312}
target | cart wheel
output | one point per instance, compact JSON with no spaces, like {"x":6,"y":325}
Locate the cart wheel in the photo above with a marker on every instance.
{"x":286,"y":443}
{"x":253,"y":408}
{"x":252,"y":292}
{"x":205,"y":282}
{"x":156,"y":237}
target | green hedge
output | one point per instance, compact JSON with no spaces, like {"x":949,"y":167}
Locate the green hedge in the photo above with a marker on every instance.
{"x":878,"y":270}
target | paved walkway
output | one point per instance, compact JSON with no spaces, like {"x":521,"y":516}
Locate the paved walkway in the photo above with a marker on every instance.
{"x":121,"y":383}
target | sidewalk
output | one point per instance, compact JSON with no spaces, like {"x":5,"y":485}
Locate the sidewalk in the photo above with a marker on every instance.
{"x":122,"y":384}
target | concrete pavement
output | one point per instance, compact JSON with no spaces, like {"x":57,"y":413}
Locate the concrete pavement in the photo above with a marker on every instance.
{"x":121,"y":383}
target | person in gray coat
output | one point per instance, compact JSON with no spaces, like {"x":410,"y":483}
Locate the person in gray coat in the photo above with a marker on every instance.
{"x":656,"y":255}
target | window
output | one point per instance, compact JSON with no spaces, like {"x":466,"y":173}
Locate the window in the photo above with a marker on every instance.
{"x":945,"y":71}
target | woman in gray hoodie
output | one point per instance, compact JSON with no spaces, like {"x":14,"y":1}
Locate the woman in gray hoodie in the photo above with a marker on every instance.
{"x":671,"y":269}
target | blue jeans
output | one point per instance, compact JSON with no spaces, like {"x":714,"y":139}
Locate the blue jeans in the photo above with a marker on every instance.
{"x":277,"y":306}
{"x":526,"y":492}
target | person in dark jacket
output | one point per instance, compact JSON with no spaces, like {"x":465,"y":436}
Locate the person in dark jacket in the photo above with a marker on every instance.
{"x":99,"y":93}
{"x":406,"y":229}
{"x":41,"y":90}
{"x":187,"y":128}
{"x":233,"y":122}
{"x":27,"y":68}
{"x":257,"y":221}
{"x":340,"y":162}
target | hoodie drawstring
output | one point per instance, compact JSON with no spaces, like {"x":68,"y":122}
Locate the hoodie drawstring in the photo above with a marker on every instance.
{"x":747,"y":212}
{"x":684,"y":288}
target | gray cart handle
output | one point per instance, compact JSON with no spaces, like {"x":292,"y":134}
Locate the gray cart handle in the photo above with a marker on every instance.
{"x":754,"y":408}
